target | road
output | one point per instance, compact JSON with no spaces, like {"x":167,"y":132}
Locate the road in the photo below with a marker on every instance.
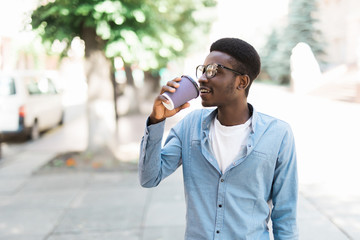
{"x":68,"y":137}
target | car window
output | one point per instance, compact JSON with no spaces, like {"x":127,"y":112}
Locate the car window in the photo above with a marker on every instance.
{"x":32,"y":86}
{"x":40,"y":85}
{"x":46,"y":86}
{"x":7,"y":86}
{"x":52,"y":88}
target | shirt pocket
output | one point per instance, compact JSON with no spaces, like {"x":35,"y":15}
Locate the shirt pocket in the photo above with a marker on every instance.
{"x":254,"y":175}
{"x":261,"y":161}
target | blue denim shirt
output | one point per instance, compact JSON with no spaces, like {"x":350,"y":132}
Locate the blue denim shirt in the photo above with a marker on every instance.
{"x":260,"y":184}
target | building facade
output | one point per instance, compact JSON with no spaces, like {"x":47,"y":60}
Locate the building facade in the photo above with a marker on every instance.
{"x":340,"y":26}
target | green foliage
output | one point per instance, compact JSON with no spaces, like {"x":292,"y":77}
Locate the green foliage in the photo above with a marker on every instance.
{"x":301,"y":27}
{"x":146,"y":32}
{"x":274,"y":63}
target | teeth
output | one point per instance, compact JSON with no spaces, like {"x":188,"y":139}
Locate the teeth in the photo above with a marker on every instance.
{"x":204,"y":91}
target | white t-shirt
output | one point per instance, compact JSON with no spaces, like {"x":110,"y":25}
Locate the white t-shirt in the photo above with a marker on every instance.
{"x":229,"y":142}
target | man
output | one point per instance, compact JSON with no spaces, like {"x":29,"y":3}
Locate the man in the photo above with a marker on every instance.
{"x":239,"y":165}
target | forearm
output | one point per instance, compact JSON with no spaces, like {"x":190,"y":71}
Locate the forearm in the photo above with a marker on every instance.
{"x":150,"y":155}
{"x":154,"y":163}
{"x":284,"y":221}
{"x":157,"y":162}
{"x":285,"y":192}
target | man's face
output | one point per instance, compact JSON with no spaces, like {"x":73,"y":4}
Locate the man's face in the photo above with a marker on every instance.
{"x":220,"y":90}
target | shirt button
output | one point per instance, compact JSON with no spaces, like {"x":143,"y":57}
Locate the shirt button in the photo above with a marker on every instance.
{"x":220,"y":205}
{"x":217,"y":231}
{"x":222,"y":180}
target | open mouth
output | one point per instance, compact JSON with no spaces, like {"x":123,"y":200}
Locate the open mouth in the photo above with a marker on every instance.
{"x":204,"y":90}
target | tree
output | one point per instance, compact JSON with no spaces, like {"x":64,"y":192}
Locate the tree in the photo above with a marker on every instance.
{"x":1,"y":146}
{"x":271,"y":57}
{"x":143,"y":32}
{"x":301,"y":27}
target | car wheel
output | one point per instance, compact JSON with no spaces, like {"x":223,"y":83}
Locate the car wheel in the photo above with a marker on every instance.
{"x":61,"y":122}
{"x":35,"y":131}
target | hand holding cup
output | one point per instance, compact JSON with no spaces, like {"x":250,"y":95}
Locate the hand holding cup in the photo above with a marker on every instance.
{"x":174,"y":97}
{"x":187,"y":90}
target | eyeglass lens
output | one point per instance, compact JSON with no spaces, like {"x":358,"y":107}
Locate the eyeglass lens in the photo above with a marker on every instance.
{"x":209,"y":70}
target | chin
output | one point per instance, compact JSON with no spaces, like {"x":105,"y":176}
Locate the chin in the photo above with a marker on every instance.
{"x":207,"y":104}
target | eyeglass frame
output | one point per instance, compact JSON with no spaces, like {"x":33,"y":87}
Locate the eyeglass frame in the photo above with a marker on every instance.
{"x":217,"y":65}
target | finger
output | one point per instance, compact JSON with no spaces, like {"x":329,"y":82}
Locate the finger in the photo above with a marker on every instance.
{"x":175,"y":80}
{"x":178,"y":79}
{"x":173,"y":84}
{"x":159,"y":99}
{"x":167,"y":89}
{"x":163,"y":99}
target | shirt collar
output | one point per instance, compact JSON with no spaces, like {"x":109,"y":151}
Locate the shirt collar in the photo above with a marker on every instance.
{"x":254,"y":117}
{"x":211,"y":114}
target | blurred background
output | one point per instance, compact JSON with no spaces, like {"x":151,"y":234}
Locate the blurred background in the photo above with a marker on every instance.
{"x":78,"y":78}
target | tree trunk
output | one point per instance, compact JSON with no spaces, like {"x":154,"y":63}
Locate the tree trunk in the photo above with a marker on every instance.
{"x":0,"y":146}
{"x":152,"y":81}
{"x":116,"y":94}
{"x":100,"y":103}
{"x":131,"y":92}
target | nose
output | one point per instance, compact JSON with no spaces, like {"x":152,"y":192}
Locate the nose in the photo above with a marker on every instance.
{"x":203,"y":78}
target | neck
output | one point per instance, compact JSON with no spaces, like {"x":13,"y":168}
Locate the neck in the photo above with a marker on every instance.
{"x":231,"y":117}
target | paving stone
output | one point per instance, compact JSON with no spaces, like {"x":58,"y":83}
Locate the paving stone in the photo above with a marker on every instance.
{"x":128,"y":234}
{"x":164,"y":233}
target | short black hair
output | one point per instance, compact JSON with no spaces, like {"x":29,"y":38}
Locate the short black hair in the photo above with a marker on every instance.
{"x":248,"y":60}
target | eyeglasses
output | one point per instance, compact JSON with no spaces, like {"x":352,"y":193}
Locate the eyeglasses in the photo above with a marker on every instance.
{"x":210,"y":70}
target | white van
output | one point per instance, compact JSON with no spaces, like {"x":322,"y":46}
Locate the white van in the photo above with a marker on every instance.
{"x":29,"y":104}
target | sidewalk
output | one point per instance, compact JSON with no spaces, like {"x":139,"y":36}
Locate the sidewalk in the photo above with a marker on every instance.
{"x":68,"y":205}
{"x":111,"y":205}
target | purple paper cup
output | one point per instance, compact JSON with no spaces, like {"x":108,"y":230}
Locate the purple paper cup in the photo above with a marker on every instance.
{"x":187,"y":90}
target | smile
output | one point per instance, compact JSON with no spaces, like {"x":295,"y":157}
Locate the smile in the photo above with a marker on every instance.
{"x":204,"y":90}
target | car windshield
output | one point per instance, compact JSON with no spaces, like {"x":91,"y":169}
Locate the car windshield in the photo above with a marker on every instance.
{"x":7,"y":86}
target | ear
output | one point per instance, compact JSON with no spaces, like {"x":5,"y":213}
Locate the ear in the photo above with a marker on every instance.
{"x":244,"y":81}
